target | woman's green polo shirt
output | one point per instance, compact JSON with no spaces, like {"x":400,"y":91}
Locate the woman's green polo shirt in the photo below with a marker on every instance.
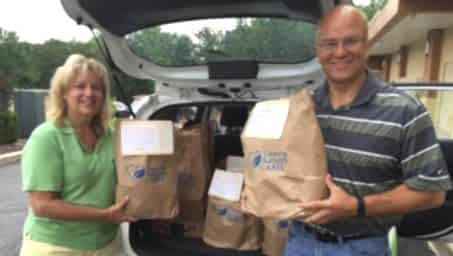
{"x":54,"y":160}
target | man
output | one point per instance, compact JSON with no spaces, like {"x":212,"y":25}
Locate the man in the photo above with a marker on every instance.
{"x":383,"y":157}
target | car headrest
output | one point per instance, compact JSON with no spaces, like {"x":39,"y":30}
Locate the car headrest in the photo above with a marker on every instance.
{"x":234,"y":116}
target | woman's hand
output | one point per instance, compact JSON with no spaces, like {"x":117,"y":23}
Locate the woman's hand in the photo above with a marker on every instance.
{"x":116,"y":213}
{"x":243,"y":202}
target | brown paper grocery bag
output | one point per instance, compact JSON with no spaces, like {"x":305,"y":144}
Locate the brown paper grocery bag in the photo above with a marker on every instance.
{"x":194,"y":169}
{"x":285,"y":160}
{"x":228,"y":227}
{"x":275,"y":236}
{"x":150,"y":181}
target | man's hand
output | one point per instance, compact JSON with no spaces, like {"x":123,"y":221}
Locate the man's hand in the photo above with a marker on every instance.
{"x":116,"y":213}
{"x":338,"y":205}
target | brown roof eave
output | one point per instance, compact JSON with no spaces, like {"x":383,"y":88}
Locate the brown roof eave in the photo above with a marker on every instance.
{"x":385,"y":19}
{"x":396,"y":10}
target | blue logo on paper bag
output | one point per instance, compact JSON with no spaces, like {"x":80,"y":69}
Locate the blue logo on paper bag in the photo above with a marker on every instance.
{"x":270,"y":160}
{"x":219,"y":210}
{"x":256,"y":160}
{"x":234,"y":216}
{"x":138,"y":172}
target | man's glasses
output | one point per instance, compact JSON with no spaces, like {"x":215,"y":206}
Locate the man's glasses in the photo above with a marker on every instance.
{"x":349,"y":43}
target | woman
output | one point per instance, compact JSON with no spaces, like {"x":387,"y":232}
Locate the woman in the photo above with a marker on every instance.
{"x":68,"y":169}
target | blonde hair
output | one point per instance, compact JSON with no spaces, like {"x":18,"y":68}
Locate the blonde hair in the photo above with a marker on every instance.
{"x":56,"y":108}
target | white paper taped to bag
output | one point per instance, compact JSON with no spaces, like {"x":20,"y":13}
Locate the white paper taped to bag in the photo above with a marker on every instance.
{"x":226,"y":185}
{"x":147,"y":137}
{"x":267,"y":119}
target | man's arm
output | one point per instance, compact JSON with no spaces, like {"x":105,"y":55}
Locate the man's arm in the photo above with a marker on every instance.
{"x":401,"y":200}
{"x":397,"y":201}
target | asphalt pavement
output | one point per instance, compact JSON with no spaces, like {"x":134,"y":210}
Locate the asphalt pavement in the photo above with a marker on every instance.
{"x":13,"y":208}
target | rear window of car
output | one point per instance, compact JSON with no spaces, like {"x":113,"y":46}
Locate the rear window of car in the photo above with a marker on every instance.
{"x":197,"y":42}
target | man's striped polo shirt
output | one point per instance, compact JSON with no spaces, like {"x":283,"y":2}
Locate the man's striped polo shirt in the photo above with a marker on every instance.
{"x":383,"y":138}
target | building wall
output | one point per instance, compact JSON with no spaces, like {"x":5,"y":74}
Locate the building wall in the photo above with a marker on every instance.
{"x":439,"y":105}
{"x":415,"y":63}
{"x":394,"y":68}
{"x":445,"y":102}
{"x":446,"y":59}
{"x":416,"y":59}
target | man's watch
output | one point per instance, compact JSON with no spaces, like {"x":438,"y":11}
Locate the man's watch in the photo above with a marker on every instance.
{"x":361,"y":211}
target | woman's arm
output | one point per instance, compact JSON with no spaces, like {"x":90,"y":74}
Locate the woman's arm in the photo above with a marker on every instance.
{"x":49,"y":205}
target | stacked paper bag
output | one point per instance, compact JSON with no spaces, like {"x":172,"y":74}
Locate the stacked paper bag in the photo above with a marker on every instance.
{"x":285,"y":161}
{"x":164,"y":171}
{"x":146,"y":168}
{"x":194,"y":170}
{"x":226,"y":225}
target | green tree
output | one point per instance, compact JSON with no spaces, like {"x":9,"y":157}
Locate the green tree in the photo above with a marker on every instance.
{"x":46,"y":57}
{"x":374,"y":6}
{"x":272,"y":40}
{"x":162,"y":47}
{"x":9,"y":66}
{"x":263,"y":39}
{"x":26,"y":65}
{"x":209,"y":46}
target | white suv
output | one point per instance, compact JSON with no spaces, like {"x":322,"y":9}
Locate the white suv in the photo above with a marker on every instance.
{"x":210,"y":60}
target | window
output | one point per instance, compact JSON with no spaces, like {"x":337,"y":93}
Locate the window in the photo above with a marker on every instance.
{"x":269,"y":40}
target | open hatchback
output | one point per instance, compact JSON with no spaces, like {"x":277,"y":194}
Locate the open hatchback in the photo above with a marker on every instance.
{"x":211,"y":61}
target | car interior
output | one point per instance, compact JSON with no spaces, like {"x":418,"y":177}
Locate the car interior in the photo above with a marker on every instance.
{"x":227,"y":120}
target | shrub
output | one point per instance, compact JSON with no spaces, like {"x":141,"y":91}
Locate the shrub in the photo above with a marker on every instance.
{"x":9,"y":127}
